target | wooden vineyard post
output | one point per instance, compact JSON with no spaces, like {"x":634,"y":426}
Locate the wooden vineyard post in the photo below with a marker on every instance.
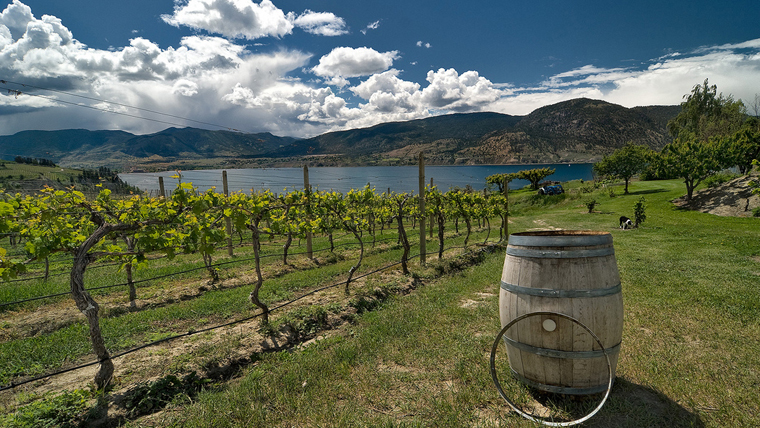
{"x":422,"y":210}
{"x":506,"y":208}
{"x":228,"y":221}
{"x":431,"y":214}
{"x":307,"y":189}
{"x":161,"y":192}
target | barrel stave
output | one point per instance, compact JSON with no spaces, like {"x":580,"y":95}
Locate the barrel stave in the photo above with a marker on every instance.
{"x":536,"y":276}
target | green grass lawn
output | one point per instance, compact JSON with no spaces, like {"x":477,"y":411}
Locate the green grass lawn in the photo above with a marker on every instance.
{"x":689,"y":356}
{"x":690,"y":341}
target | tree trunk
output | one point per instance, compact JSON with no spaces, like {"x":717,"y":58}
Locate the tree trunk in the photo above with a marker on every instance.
{"x":286,"y":247}
{"x":689,"y":188}
{"x":502,"y":229}
{"x":254,"y":296}
{"x":468,"y":222}
{"x":371,"y":222}
{"x":405,"y":243}
{"x":441,"y":225}
{"x":208,"y":262}
{"x":132,"y":292}
{"x":89,"y":307}
{"x":131,"y":284}
{"x":358,"y":264}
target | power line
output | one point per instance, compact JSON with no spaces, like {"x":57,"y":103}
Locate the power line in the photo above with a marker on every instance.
{"x":17,"y":93}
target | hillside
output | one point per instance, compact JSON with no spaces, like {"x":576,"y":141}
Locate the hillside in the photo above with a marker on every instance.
{"x":118,"y":149}
{"x":580,"y":130}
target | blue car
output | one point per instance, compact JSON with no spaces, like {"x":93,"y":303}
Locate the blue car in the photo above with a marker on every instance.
{"x":551,"y":190}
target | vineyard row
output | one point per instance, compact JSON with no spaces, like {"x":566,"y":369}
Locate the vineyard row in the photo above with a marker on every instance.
{"x":128,"y":230}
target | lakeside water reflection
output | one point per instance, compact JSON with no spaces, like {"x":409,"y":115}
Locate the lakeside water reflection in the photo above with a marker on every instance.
{"x":395,"y":178}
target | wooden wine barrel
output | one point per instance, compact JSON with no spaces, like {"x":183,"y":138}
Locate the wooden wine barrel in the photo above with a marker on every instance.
{"x":569,"y":272}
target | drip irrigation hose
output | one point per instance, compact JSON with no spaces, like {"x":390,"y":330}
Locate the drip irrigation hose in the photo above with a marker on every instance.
{"x":13,"y":384}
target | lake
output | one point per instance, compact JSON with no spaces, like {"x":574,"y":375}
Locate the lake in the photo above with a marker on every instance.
{"x":397,"y":178}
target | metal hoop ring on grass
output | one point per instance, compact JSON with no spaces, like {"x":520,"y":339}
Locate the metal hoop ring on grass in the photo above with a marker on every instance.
{"x":528,"y":415}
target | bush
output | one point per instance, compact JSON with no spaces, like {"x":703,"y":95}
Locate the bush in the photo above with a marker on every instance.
{"x":149,"y":397}
{"x":719,"y":178}
{"x":756,"y":212}
{"x":68,"y":410}
{"x":590,"y":204}
{"x":639,"y":212}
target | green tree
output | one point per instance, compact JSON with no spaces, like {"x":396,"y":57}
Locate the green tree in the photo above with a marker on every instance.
{"x":639,"y":212}
{"x":701,"y":132}
{"x":625,"y":163}
{"x":706,"y":114}
{"x":693,"y":160}
{"x":535,"y":175}
{"x":745,"y":145}
{"x":502,"y":181}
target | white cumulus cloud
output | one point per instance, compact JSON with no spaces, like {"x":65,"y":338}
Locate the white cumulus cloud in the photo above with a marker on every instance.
{"x":213,"y":78}
{"x":231,"y":18}
{"x":466,"y":92}
{"x":320,"y":23}
{"x":343,"y":62}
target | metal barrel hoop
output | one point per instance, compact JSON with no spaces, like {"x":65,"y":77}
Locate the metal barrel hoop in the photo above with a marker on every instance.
{"x":528,"y":415}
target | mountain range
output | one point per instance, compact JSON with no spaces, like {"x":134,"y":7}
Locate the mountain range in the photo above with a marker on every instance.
{"x":579,"y":130}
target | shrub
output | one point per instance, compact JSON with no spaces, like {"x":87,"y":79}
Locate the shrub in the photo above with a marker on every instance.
{"x":590,"y":204}
{"x":639,"y":212}
{"x":68,"y":410}
{"x":719,"y":178}
{"x":149,"y":397}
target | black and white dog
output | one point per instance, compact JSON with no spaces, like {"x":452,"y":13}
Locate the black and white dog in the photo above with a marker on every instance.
{"x":625,"y":222}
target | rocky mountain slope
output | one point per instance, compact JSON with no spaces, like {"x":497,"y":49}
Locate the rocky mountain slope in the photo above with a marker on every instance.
{"x":580,"y":130}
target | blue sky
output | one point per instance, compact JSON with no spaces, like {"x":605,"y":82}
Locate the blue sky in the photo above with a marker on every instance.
{"x":301,"y":68}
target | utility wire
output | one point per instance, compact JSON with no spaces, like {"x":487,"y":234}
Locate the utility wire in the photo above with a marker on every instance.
{"x":140,"y":281}
{"x":98,"y":109}
{"x":13,"y":385}
{"x":109,"y":102}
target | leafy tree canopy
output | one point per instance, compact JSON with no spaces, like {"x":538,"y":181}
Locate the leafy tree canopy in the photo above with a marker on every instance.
{"x":625,"y":162}
{"x":535,"y":175}
{"x":706,"y":114}
{"x":502,"y":180}
{"x":745,"y":145}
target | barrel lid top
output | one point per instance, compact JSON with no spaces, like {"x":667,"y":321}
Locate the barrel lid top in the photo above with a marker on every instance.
{"x":560,"y":238}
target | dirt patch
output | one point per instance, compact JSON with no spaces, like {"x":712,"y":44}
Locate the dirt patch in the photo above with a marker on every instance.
{"x":482,"y":298}
{"x":730,"y":199}
{"x":542,"y":225}
{"x":216,"y":355}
